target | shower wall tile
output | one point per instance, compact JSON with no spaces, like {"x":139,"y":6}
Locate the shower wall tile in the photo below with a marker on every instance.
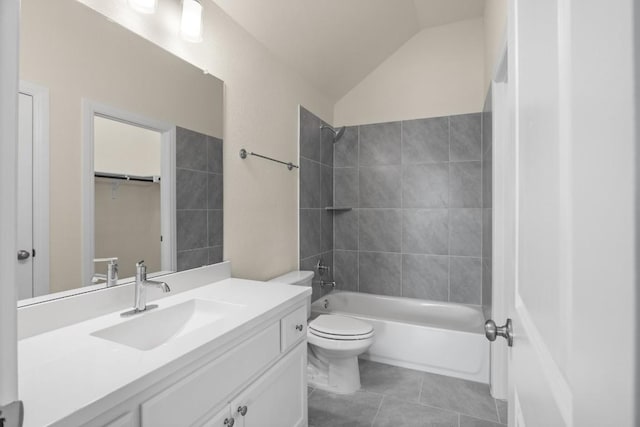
{"x":191,"y":229}
{"x":191,"y":189}
{"x":487,"y":290}
{"x":425,"y":186}
{"x":465,"y":185}
{"x":487,"y":232}
{"x":215,"y":227}
{"x":192,"y":259}
{"x":466,"y":232}
{"x":316,"y":188}
{"x":380,"y":230}
{"x":416,"y":188}
{"x":309,"y":135}
{"x":380,"y":273}
{"x":346,"y":187}
{"x":345,"y":264}
{"x":198,"y":192}
{"x":214,"y":191}
{"x":345,"y":226}
{"x":380,"y":144}
{"x":326,"y":186}
{"x":215,"y":255}
{"x":326,"y":227}
{"x":326,"y":146}
{"x":466,"y":274}
{"x":381,"y":187}
{"x":425,"y":140}
{"x":466,"y":137}
{"x":310,"y":235}
{"x":191,"y":150}
{"x":425,"y":231}
{"x":310,"y":184}
{"x":345,"y":152}
{"x":214,"y":154}
{"x":425,"y":277}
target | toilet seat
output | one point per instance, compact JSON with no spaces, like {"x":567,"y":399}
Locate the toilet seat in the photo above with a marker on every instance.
{"x":336,"y":327}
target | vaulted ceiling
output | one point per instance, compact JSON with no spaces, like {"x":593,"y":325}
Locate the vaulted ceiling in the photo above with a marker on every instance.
{"x":334,"y":44}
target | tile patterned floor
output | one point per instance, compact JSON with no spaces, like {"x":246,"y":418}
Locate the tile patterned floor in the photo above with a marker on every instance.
{"x":392,"y":396}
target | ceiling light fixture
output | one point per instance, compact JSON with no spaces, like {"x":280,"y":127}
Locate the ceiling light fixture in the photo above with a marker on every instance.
{"x":191,"y":24}
{"x":144,"y":6}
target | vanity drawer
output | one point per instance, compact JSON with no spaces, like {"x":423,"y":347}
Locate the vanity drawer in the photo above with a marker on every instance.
{"x":293,"y":327}
{"x":188,"y":400}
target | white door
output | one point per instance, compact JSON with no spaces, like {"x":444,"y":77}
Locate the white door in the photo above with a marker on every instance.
{"x":570,"y":179}
{"x":25,"y":197}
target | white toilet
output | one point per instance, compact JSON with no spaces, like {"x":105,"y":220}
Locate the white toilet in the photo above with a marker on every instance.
{"x":335,"y":342}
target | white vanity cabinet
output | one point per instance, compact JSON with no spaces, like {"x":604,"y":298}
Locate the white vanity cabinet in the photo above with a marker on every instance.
{"x":257,"y":382}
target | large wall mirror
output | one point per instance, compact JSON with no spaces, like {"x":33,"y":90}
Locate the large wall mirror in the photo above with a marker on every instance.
{"x":120,"y":155}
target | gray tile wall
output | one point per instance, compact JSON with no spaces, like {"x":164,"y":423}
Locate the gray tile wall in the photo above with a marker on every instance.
{"x":416,"y":189}
{"x":316,"y":193}
{"x":487,"y":204}
{"x":198,"y":199}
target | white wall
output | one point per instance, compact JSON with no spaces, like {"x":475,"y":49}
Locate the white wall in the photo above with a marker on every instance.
{"x":495,"y":27}
{"x":126,"y":149}
{"x":438,"y":72}
{"x":260,"y":114}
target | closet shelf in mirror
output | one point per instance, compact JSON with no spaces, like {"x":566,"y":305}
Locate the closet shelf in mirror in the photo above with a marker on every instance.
{"x":337,"y":208}
{"x":125,"y":177}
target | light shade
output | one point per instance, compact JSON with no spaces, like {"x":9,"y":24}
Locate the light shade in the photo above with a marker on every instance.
{"x":191,"y":24}
{"x":144,"y":6}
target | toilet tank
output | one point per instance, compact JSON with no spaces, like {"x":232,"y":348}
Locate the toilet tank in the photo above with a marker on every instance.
{"x":300,"y":278}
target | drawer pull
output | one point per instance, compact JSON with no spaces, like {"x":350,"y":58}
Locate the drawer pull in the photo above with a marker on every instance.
{"x":229,"y":422}
{"x":300,"y":327}
{"x":242,"y":410}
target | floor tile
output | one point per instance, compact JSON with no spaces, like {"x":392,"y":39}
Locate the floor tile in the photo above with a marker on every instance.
{"x":458,"y":395}
{"x":333,"y":410}
{"x":396,"y":412}
{"x":466,"y":421}
{"x":390,"y":380}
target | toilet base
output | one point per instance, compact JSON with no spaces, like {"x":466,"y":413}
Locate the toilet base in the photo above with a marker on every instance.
{"x":340,"y":376}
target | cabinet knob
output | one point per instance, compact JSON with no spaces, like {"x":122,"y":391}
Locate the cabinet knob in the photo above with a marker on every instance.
{"x":229,"y":422}
{"x":242,"y":410}
{"x":300,"y":327}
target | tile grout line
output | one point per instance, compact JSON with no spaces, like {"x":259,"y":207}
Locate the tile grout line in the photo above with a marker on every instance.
{"x":378,"y":411}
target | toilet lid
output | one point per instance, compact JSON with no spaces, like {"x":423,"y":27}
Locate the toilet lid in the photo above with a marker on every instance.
{"x":333,"y":324}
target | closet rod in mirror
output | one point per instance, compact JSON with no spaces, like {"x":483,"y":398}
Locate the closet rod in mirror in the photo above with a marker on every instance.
{"x":127,"y":177}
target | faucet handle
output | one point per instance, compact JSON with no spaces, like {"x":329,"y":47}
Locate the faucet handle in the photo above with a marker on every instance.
{"x":140,"y":263}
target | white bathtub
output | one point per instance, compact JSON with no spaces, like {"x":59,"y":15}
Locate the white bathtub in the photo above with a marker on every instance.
{"x":439,"y":337}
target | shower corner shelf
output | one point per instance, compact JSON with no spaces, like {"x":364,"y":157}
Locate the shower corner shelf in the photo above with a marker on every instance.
{"x":337,"y":208}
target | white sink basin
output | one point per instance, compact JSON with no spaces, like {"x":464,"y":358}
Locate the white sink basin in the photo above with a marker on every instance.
{"x":154,"y":328}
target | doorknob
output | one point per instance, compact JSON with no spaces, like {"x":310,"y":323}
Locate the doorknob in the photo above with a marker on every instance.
{"x":492,"y":331}
{"x":22,"y":255}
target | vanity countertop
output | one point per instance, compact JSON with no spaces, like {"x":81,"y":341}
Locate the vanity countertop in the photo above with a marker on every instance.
{"x":68,"y":369}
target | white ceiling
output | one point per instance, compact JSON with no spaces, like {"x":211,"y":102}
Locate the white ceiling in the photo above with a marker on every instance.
{"x":334,"y":44}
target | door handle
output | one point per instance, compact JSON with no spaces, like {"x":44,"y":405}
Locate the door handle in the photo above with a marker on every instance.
{"x":22,"y":255}
{"x":491,"y":331}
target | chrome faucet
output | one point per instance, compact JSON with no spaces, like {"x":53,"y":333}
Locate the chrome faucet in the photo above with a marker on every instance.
{"x":321,"y":267}
{"x":112,"y":272}
{"x":140,"y":302}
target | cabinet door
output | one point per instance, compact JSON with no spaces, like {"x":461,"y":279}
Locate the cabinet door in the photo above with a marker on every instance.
{"x":221,"y":419}
{"x":279,"y":397}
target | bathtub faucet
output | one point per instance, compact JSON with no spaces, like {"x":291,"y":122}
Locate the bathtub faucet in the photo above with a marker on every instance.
{"x":323,"y":284}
